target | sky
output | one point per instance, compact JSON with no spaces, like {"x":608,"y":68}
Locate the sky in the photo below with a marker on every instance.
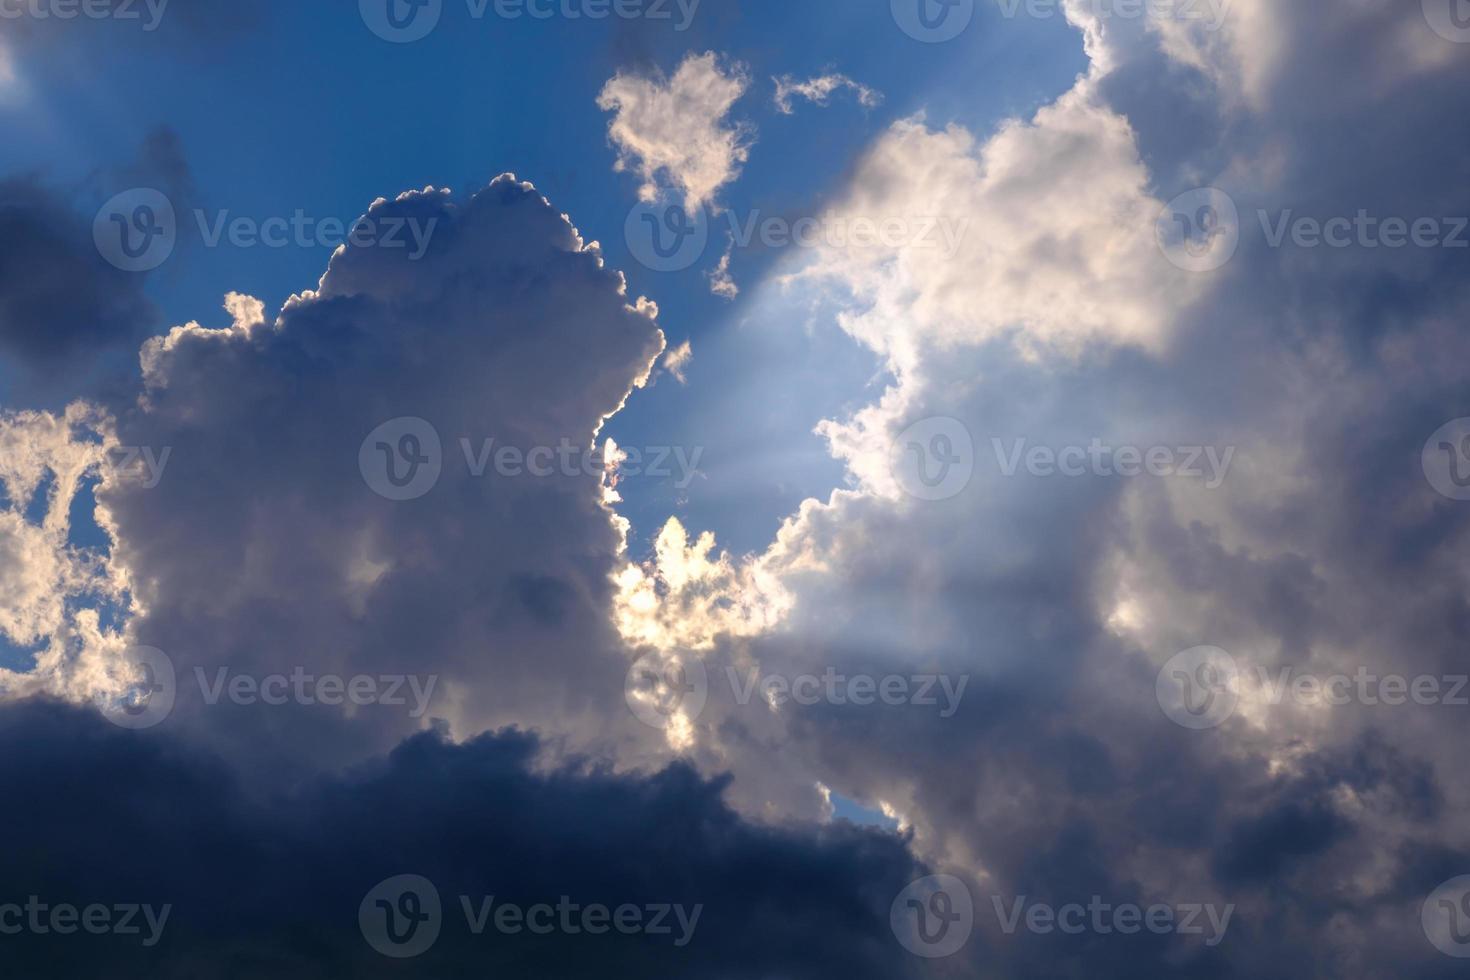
{"x":732,"y":489}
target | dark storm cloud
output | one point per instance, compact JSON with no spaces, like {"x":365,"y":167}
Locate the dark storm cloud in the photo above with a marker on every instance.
{"x":272,"y":886}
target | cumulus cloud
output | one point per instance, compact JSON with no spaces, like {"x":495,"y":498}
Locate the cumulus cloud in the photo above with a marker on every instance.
{"x":1057,"y":599}
{"x":265,"y":548}
{"x":673,"y":132}
{"x":1325,"y":552}
{"x":819,"y":90}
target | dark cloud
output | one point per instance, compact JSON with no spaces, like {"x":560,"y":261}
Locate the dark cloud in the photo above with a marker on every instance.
{"x":63,"y":305}
{"x":58,"y":296}
{"x":271,"y":886}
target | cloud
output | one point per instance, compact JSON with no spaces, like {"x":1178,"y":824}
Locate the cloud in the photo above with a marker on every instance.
{"x":58,"y":296}
{"x":1325,"y":552}
{"x":673,"y":132}
{"x":265,"y":548}
{"x":721,"y":283}
{"x":677,"y":360}
{"x":476,"y":819}
{"x":819,"y":91}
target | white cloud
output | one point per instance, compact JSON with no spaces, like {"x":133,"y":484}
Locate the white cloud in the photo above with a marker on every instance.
{"x":721,"y":282}
{"x":264,"y":547}
{"x":677,"y":359}
{"x":674,"y":131}
{"x":51,"y":591}
{"x":819,"y":91}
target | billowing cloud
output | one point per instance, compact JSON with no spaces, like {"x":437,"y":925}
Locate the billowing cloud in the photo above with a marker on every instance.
{"x":1322,"y":552}
{"x":272,"y":542}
